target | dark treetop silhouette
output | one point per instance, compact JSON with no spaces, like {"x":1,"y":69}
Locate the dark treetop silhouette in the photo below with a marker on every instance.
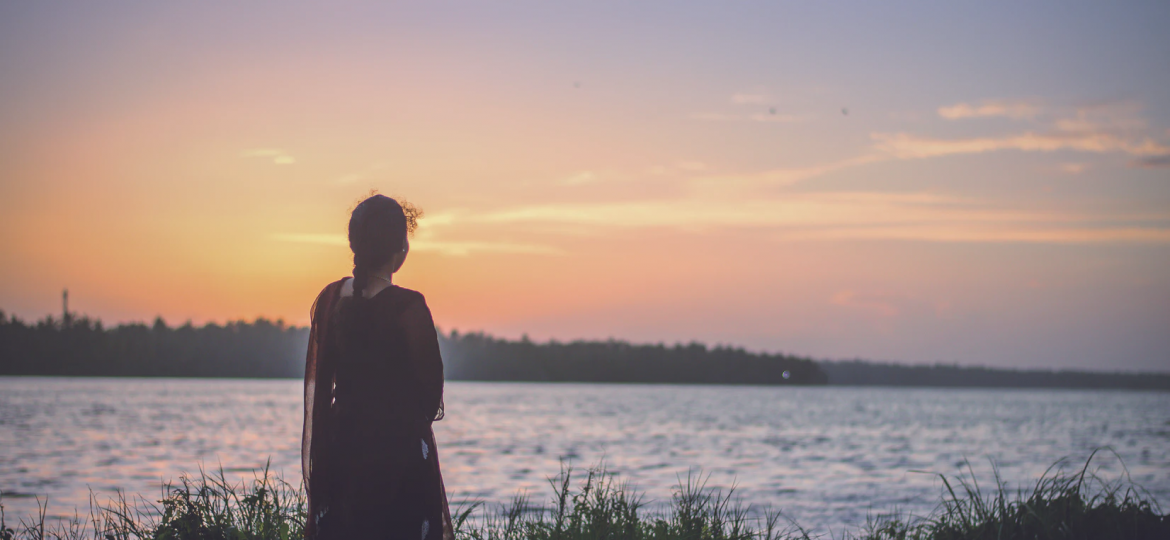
{"x":80,"y":346}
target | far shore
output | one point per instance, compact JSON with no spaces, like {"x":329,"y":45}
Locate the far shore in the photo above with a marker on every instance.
{"x":75,"y":345}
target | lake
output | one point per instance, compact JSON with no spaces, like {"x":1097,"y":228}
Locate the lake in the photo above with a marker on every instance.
{"x":825,"y":456}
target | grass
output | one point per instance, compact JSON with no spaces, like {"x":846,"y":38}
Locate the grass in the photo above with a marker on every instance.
{"x":596,"y":505}
{"x":1074,"y":506}
{"x":204,"y":507}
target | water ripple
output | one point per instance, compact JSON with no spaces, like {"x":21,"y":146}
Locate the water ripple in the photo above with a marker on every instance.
{"x":825,"y":456}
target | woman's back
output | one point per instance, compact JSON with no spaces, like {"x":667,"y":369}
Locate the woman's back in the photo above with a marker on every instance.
{"x":373,"y":386}
{"x":388,"y":367}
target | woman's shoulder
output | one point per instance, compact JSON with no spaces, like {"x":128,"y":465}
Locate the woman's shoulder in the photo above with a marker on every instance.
{"x":326,"y":298}
{"x":402,"y":295}
{"x":406,"y":306}
{"x":332,"y":288}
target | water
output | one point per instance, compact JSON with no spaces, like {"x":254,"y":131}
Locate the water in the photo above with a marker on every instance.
{"x":825,"y":456}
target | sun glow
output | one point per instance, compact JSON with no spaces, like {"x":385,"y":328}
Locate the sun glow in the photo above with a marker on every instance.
{"x":780,"y":196}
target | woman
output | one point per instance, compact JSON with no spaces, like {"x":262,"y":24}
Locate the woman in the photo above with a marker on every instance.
{"x":373,"y":385}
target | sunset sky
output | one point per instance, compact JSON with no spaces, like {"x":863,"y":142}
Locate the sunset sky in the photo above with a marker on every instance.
{"x":915,"y":182}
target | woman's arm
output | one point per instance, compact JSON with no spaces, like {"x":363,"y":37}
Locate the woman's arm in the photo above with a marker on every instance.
{"x":318,"y":395}
{"x":423,"y":347}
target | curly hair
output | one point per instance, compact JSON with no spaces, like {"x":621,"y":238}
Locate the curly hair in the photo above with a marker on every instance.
{"x":378,"y":227}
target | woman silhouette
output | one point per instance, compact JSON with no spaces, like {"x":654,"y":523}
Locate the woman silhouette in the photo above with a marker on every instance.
{"x":373,"y":386}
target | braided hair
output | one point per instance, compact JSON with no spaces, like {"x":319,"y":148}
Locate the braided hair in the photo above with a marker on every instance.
{"x":377,"y":230}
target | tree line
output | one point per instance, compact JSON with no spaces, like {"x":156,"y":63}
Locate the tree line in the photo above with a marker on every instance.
{"x":80,"y":346}
{"x":478,"y":356}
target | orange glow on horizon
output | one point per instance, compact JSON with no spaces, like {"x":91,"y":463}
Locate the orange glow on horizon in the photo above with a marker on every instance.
{"x":781,"y":195}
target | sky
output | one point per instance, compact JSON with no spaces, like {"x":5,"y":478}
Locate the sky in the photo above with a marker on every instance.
{"x":919,"y":182}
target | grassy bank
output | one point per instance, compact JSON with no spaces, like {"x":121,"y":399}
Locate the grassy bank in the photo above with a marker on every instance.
{"x":596,"y":505}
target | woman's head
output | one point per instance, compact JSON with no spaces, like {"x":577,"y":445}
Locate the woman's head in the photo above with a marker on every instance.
{"x":378,"y":228}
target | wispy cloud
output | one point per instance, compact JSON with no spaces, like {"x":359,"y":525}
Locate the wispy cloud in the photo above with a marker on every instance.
{"x":749,"y":98}
{"x":358,"y":176}
{"x":1068,"y":234}
{"x":817,"y":216}
{"x":701,"y":212}
{"x":780,"y":177}
{"x":579,"y":178}
{"x":769,"y":117}
{"x":1104,"y":128}
{"x":1005,"y":109}
{"x":713,"y":201}
{"x":313,"y":238}
{"x":907,"y":146}
{"x":463,"y":249}
{"x":691,"y":165}
{"x":681,"y":167}
{"x":882,"y":304}
{"x":451,"y":248}
{"x":277,"y":155}
{"x":849,"y":216}
{"x":715,"y":117}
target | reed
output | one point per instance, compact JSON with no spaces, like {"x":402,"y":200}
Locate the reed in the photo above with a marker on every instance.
{"x":1077,"y":506}
{"x":595,"y":505}
{"x":206,"y":506}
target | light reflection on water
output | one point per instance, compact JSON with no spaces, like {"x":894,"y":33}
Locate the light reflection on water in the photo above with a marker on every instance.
{"x":825,"y":456}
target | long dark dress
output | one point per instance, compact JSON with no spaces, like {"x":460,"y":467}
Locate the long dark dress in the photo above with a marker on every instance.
{"x":373,"y":386}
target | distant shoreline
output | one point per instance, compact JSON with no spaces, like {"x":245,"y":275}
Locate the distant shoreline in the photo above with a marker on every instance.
{"x":262,"y":349}
{"x":618,"y":383}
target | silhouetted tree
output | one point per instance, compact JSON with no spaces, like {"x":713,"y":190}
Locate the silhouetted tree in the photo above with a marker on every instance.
{"x":477,"y":356}
{"x":80,"y":346}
